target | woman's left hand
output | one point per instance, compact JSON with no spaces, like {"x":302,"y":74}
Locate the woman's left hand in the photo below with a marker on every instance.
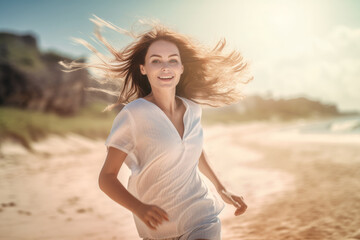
{"x":235,"y":200}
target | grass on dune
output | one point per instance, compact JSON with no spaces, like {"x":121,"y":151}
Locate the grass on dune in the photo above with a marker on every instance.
{"x":26,"y":126}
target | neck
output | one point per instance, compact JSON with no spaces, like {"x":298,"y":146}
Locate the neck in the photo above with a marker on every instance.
{"x":165,"y":100}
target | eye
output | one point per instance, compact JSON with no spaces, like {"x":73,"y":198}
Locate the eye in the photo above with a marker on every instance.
{"x":174,"y":61}
{"x":155,"y":61}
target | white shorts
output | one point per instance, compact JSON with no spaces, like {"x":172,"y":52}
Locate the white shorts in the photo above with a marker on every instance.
{"x":209,"y":230}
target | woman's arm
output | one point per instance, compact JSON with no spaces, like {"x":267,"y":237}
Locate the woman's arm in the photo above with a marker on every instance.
{"x":109,"y":183}
{"x":151,"y":215}
{"x":227,"y":196}
{"x":205,"y":168}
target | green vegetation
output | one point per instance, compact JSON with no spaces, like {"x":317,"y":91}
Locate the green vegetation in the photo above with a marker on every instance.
{"x":26,"y":126}
{"x":20,"y":54}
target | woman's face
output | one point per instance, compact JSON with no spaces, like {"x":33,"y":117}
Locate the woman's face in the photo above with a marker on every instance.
{"x":163,"y":65}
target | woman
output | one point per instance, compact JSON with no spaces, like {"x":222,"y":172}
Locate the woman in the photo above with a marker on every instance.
{"x":158,"y":133}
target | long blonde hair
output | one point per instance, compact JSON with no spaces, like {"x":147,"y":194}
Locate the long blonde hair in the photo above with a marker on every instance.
{"x":210,"y":76}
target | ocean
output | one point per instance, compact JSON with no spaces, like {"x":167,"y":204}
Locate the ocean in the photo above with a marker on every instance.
{"x":346,"y":125}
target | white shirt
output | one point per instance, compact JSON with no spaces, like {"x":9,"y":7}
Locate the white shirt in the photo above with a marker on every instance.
{"x":164,"y":166}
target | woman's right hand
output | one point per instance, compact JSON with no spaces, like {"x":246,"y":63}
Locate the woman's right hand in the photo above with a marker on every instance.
{"x":151,"y":215}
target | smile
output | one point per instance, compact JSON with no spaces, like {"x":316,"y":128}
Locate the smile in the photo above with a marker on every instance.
{"x":166,"y":78}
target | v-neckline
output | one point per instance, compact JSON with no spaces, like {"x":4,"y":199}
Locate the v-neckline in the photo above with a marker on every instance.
{"x":168,"y":119}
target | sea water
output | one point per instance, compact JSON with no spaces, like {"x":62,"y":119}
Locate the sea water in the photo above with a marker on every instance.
{"x":339,"y":125}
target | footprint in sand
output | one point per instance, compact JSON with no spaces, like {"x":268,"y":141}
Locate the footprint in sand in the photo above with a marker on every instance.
{"x":73,"y":200}
{"x":60,"y":210}
{"x":73,"y":203}
{"x":84,"y":210}
{"x":10,"y":204}
{"x":70,"y":202}
{"x":5,"y":205}
{"x":24,"y":212}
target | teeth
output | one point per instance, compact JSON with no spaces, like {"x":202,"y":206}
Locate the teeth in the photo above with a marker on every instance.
{"x":166,"y":77}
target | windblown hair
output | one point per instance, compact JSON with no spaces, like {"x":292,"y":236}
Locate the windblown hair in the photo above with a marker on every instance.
{"x":210,"y":76}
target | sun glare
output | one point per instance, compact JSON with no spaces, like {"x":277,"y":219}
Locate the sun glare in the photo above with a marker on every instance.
{"x":288,"y":18}
{"x":283,"y":18}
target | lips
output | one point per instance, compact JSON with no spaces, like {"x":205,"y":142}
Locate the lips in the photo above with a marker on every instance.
{"x":166,"y":78}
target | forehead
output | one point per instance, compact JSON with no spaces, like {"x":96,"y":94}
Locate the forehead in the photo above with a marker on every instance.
{"x":162,"y":47}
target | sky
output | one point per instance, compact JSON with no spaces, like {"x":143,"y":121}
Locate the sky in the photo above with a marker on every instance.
{"x":296,"y":48}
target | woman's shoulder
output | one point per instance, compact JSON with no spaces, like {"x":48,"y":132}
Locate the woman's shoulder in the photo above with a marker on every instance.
{"x":135,"y":105}
{"x":189,"y":101}
{"x":193,"y":105}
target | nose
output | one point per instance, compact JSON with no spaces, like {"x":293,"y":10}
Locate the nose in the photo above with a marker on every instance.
{"x":165,"y":66}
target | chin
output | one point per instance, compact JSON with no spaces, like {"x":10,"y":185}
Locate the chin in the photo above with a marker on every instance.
{"x":171,"y":83}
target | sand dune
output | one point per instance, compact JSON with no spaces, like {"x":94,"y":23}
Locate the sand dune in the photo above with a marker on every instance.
{"x":296,"y":188}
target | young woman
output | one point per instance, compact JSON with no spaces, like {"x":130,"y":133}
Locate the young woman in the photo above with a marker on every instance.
{"x":158,"y":133}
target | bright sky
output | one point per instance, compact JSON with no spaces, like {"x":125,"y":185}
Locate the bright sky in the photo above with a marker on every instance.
{"x":296,"y":47}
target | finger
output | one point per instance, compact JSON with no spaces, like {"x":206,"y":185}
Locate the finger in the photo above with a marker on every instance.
{"x":151,"y":219}
{"x":156,"y":221}
{"x":240,"y":201}
{"x":228,"y":195}
{"x":163,"y":213}
{"x":155,"y":216}
{"x":150,"y":225}
{"x":239,"y":211}
{"x":235,"y":203}
{"x":232,"y":199}
{"x":242,"y":208}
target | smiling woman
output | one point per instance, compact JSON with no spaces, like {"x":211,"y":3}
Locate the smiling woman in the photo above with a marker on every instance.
{"x":166,"y":67}
{"x":158,"y":133}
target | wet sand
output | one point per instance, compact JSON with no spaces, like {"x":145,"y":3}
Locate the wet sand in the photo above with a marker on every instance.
{"x":296,"y":186}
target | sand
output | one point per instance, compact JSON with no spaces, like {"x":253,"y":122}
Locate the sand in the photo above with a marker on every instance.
{"x":296,"y":186}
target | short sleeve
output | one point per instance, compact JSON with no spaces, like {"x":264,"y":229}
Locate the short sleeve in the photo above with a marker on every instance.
{"x":122,"y":134}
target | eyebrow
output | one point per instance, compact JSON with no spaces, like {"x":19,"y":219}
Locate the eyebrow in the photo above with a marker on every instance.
{"x":172,"y":55}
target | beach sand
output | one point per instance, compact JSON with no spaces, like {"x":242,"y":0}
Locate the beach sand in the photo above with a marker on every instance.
{"x":296,"y":186}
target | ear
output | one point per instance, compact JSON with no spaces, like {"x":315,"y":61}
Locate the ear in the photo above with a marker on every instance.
{"x":182,"y":69}
{"x":142,"y":69}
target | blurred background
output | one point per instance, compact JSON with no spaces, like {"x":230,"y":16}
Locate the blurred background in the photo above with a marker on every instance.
{"x":294,"y":139}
